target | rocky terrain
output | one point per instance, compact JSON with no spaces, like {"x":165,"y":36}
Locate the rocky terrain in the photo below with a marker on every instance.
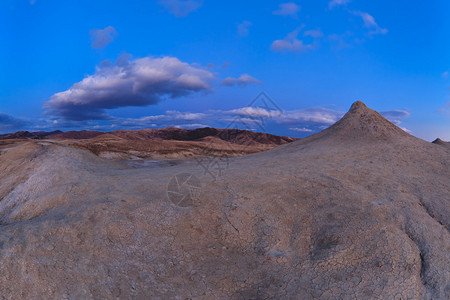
{"x":360,"y":210}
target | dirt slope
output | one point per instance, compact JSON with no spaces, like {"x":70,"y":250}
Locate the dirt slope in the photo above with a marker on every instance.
{"x":358,"y":211}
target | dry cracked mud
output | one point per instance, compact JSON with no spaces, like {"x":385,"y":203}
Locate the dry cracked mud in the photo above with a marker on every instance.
{"x":358,"y":211}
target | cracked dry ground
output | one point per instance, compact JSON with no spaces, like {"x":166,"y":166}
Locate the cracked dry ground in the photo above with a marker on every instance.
{"x":358,"y":211}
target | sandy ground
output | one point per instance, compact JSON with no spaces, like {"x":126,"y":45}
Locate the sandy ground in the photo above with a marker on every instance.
{"x":358,"y":211}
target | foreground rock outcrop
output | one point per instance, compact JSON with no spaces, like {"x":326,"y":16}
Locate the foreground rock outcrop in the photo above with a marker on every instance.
{"x":358,"y":211}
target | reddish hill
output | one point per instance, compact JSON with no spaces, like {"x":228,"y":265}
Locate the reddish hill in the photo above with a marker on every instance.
{"x":180,"y":143}
{"x":76,"y":135}
{"x":167,"y":142}
{"x":18,"y":135}
{"x":236,"y":136}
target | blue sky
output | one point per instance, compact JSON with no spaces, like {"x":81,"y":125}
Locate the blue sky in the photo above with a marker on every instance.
{"x":107,"y":65}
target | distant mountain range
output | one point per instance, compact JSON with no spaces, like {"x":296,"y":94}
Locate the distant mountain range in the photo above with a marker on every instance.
{"x":237,"y":136}
{"x":167,"y":142}
{"x":29,"y":135}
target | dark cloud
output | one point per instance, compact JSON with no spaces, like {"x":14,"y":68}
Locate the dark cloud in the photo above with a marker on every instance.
{"x":102,"y":37}
{"x":9,"y":123}
{"x":140,"y":82}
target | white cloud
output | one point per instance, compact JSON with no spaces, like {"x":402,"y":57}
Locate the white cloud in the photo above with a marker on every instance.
{"x":313,"y":33}
{"x":212,"y":66}
{"x":339,"y":41}
{"x":139,"y":82}
{"x":291,"y":43}
{"x":335,"y":3}
{"x":289,"y":9}
{"x":311,"y":116}
{"x":369,"y":22}
{"x":191,"y":126}
{"x":315,"y":117}
{"x":181,"y":8}
{"x":301,"y":129}
{"x":169,"y":119}
{"x":243,"y":28}
{"x":445,"y":109}
{"x":406,"y":130}
{"x":242,"y":81}
{"x":102,"y":37}
{"x":259,"y":118}
{"x":258,"y":112}
{"x":307,"y":120}
{"x":395,"y":116}
{"x":187,"y":116}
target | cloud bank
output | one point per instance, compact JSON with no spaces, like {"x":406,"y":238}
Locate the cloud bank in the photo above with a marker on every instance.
{"x":139,"y":82}
{"x":9,"y":123}
{"x":305,"y":121}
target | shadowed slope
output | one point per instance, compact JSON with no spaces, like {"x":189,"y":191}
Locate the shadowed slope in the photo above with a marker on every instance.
{"x":441,"y":143}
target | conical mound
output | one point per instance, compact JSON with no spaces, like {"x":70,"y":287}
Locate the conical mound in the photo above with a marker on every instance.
{"x":360,"y":125}
{"x":440,"y":142}
{"x":361,"y":122}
